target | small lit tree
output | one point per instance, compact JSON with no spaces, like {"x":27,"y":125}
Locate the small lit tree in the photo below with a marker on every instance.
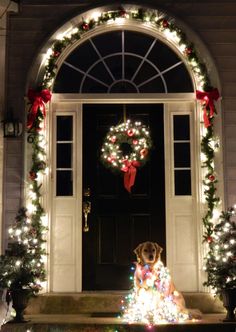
{"x":22,"y":266}
{"x":221,"y":259}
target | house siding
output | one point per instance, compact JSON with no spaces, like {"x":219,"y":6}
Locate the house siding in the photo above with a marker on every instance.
{"x":28,"y":31}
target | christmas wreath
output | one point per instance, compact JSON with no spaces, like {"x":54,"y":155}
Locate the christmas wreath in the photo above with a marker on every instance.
{"x":126,"y":147}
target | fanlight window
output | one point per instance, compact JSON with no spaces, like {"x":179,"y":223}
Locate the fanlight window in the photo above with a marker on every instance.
{"x":123,"y":62}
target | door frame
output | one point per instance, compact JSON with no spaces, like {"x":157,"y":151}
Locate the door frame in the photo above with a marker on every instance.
{"x":63,"y":102}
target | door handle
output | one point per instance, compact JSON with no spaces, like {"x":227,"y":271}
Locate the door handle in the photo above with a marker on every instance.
{"x":86,"y":211}
{"x":86,"y":208}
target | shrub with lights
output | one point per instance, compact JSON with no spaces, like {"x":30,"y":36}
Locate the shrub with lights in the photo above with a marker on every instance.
{"x":221,"y":258}
{"x":22,"y":266}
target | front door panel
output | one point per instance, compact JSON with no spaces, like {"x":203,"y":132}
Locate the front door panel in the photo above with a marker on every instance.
{"x":119,"y":221}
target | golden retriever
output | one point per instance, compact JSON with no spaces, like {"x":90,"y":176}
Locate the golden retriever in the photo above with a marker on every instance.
{"x":148,"y":263}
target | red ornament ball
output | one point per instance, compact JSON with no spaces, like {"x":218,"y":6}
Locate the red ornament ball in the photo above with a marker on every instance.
{"x":56,"y":54}
{"x":122,"y":13}
{"x":32,"y":175}
{"x":165,"y":24}
{"x":113,"y":139}
{"x":211,"y":177}
{"x":188,"y":50}
{"x":111,"y":159}
{"x":85,"y":26}
{"x":130,"y":132}
{"x":135,"y":142}
{"x":209,"y":239}
{"x":144,"y":152}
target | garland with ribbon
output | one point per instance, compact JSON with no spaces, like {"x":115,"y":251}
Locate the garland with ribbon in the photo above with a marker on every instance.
{"x":206,"y":94}
{"x":126,"y":148}
{"x":37,"y":111}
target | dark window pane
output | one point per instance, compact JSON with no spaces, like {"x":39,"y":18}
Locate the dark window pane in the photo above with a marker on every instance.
{"x":182,"y":182}
{"x":115,"y":65}
{"x":64,"y":155}
{"x":64,"y":128}
{"x":178,"y":80}
{"x":108,"y":43}
{"x":131,"y":65}
{"x":181,"y":127}
{"x":182,"y":154}
{"x":79,"y":57}
{"x":101,"y":73}
{"x":163,"y":56}
{"x":146,"y":72}
{"x":67,"y":81}
{"x":92,"y":86}
{"x":64,"y":183}
{"x":153,"y":86}
{"x":133,"y":40}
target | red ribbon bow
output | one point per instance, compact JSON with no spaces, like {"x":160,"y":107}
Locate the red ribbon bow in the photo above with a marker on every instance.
{"x":38,"y":101}
{"x":208,"y":99}
{"x":129,"y":167}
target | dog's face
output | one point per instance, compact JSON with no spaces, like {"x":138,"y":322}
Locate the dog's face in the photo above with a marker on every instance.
{"x":148,"y":253}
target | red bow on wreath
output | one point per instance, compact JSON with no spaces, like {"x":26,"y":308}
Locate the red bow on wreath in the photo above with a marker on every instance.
{"x":38,"y":101}
{"x":208,"y":99}
{"x":129,"y":168}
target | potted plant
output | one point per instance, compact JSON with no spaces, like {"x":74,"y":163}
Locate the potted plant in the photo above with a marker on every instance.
{"x":22,"y":267}
{"x":221,"y":262}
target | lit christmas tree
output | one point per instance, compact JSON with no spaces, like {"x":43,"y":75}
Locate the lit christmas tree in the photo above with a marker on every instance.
{"x":154,"y":304}
{"x":22,"y":266}
{"x":221,"y":259}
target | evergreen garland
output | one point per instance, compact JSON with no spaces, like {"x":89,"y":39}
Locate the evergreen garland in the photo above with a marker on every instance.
{"x":163,"y":24}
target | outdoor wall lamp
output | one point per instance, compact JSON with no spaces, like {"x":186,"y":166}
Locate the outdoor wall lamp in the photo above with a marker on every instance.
{"x":11,"y":126}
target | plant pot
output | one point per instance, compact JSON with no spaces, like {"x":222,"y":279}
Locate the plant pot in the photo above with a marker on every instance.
{"x":20,"y":299}
{"x":229,"y":302}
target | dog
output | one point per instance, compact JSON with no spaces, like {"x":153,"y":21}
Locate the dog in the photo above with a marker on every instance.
{"x":149,"y":269}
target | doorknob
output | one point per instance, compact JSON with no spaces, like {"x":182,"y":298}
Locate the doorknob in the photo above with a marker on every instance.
{"x":86,"y":209}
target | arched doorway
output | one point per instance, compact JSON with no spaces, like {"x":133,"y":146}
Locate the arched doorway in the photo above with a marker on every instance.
{"x":93,"y":91}
{"x":131,"y":69}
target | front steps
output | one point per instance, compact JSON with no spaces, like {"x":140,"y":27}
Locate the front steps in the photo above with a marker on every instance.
{"x":107,"y":302}
{"x":98,"y":311}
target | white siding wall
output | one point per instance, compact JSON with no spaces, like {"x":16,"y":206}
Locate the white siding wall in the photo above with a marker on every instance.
{"x":5,"y":6}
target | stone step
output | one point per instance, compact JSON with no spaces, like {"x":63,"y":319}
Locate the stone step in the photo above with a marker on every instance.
{"x":107,"y":302}
{"x":85,"y":323}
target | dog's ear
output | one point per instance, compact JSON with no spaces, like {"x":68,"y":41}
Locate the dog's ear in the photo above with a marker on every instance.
{"x":158,"y":249}
{"x":138,"y":251}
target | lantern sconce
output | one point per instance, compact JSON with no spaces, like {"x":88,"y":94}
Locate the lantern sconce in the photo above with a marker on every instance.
{"x":11,"y":126}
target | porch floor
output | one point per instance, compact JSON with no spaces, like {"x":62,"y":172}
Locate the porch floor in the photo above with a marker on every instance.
{"x":86,"y":323}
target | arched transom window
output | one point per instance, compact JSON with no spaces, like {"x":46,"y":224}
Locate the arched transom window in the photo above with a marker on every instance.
{"x":123,"y":61}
